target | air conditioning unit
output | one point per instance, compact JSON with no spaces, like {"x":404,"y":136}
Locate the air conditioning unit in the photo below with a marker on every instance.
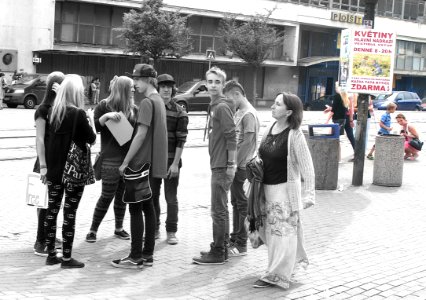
{"x":8,"y":60}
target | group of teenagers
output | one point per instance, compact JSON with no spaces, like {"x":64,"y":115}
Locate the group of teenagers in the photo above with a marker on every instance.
{"x":344,"y":113}
{"x":160,"y":132}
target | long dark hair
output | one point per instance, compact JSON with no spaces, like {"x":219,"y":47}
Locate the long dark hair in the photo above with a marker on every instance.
{"x":49,"y":95}
{"x":293,"y":103}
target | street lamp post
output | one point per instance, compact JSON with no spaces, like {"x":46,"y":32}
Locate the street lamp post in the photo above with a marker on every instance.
{"x":362,"y":113}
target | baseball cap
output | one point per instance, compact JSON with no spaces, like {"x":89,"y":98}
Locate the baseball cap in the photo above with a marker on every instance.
{"x":165,"y":78}
{"x":143,"y":70}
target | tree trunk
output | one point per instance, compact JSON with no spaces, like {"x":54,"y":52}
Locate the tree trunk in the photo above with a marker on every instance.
{"x":255,"y":86}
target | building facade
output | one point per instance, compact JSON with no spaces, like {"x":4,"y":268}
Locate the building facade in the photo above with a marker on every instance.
{"x":78,"y":36}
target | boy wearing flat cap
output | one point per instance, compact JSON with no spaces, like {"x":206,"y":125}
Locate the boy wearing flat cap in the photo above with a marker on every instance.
{"x":148,"y":146}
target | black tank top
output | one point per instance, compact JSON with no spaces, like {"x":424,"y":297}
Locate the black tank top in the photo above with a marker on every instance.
{"x":273,"y":151}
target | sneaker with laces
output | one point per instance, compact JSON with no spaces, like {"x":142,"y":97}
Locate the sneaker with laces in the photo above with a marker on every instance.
{"x":91,"y":237}
{"x":261,"y":284}
{"x":122,"y":234}
{"x":210,"y":258}
{"x":171,"y":238}
{"x":236,"y":250}
{"x":71,"y":264}
{"x":40,"y":249}
{"x":127,"y":263}
{"x":53,"y":260}
{"x":211,"y":247}
{"x":148,"y":260}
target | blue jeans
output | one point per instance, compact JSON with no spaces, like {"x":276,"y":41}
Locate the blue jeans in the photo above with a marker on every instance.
{"x":220,"y":184}
{"x":170,"y":193}
{"x":239,"y":208}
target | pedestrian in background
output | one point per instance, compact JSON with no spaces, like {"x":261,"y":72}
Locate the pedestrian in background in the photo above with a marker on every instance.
{"x":385,"y":126}
{"x":149,"y":145}
{"x":222,"y":150}
{"x":369,"y":113}
{"x":286,"y":158}
{"x":53,"y":81}
{"x":247,"y":130}
{"x":349,"y":117}
{"x":409,"y":132}
{"x":3,"y":86}
{"x":94,"y":91}
{"x":119,"y":100}
{"x":177,"y":130}
{"x":67,"y":109}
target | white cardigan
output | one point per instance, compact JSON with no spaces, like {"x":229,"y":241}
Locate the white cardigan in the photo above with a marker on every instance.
{"x":299,"y":165}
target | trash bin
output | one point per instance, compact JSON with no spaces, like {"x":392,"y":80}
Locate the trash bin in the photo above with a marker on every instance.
{"x":324,"y":150}
{"x":388,"y":160}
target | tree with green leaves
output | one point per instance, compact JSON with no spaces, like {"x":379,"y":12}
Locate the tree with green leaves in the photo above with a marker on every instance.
{"x":152,"y":32}
{"x":252,"y":39}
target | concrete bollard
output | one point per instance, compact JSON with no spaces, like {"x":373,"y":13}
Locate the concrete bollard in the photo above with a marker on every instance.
{"x":325,"y":156}
{"x":388,"y":160}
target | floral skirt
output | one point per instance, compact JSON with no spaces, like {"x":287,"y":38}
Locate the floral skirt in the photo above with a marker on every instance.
{"x":283,"y":236}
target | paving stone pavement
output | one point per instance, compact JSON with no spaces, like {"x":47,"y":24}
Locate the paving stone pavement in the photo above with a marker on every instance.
{"x":363,"y":242}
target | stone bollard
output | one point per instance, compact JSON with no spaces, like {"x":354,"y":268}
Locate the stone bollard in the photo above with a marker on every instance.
{"x":388,"y":160}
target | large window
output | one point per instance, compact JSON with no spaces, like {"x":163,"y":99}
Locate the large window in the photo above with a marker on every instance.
{"x":204,"y":36}
{"x":87,"y":23}
{"x":410,"y":56}
{"x":410,"y":10}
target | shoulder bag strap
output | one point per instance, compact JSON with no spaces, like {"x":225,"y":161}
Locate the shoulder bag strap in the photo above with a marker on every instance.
{"x":74,"y":124}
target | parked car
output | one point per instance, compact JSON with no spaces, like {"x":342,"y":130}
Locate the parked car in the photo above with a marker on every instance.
{"x":193,"y":96}
{"x":403,"y":100}
{"x":28,"y":91}
{"x":319,"y":103}
{"x":424,"y":104}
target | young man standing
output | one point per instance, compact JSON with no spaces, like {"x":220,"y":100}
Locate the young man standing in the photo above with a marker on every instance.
{"x":177,"y":129}
{"x":247,"y":128}
{"x":222,"y":150}
{"x":149,"y":145}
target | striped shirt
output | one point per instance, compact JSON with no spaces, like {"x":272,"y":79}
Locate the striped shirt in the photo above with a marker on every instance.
{"x":177,"y":127}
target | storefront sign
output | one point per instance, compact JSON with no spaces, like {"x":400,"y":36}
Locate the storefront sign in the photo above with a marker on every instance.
{"x":367,"y":61}
{"x":346,"y":17}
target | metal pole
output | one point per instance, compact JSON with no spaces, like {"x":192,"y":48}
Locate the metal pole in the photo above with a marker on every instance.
{"x":362,"y":113}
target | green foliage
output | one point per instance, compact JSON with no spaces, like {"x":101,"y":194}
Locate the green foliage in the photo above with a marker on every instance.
{"x":368,"y":65}
{"x":252,"y":40}
{"x":153,"y":32}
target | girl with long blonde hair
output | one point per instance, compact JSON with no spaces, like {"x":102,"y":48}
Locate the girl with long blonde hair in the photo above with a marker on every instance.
{"x":119,"y":100}
{"x":69,"y":123}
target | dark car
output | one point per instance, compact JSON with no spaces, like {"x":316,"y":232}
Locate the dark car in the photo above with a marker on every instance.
{"x":403,"y":100}
{"x":424,"y":104}
{"x":193,"y":96}
{"x":319,"y":103}
{"x":28,"y":91}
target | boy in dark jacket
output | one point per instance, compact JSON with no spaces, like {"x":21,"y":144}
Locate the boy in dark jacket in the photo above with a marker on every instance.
{"x":222,"y":150}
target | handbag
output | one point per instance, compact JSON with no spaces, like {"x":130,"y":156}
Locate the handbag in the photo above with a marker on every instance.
{"x":97,"y":166}
{"x":78,"y":170}
{"x":416,"y":144}
{"x":137,"y":184}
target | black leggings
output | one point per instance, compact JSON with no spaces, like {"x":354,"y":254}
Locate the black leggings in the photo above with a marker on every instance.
{"x":72,"y":199}
{"x":41,"y":231}
{"x":112,"y":187}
